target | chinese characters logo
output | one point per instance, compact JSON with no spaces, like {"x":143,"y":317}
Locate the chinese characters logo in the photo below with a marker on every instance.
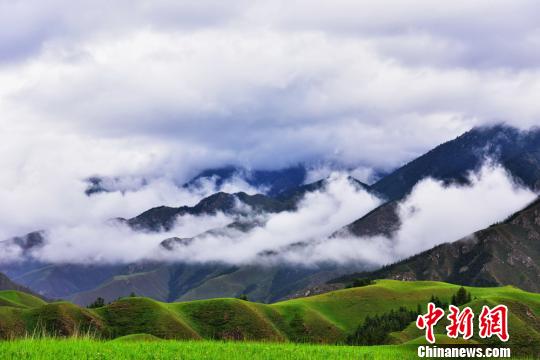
{"x":491,"y":322}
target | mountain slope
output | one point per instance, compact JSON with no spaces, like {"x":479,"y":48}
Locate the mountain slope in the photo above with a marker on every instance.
{"x":381,"y":221}
{"x":518,"y":151}
{"x":507,"y":253}
{"x":184,"y":282}
{"x":162,"y":218}
{"x":7,"y":284}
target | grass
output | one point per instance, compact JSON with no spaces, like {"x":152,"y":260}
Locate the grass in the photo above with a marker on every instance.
{"x":325,"y":319}
{"x":19,"y":299}
{"x":91,"y":349}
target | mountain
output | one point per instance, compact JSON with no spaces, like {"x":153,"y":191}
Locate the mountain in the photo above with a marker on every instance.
{"x":328,"y":318}
{"x":507,"y":253}
{"x":82,"y":284}
{"x":163,"y":217}
{"x":182,"y":282}
{"x":273,"y":181}
{"x":7,"y":284}
{"x":518,"y":151}
{"x":381,"y":221}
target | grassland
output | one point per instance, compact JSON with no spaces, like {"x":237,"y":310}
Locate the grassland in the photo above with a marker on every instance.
{"x":323,"y":319}
{"x":141,"y":349}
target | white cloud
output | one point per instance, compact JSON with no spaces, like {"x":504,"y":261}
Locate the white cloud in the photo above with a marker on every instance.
{"x":318,"y":215}
{"x":431,"y":215}
{"x":99,"y":243}
{"x":434,"y":214}
{"x":163,"y":89}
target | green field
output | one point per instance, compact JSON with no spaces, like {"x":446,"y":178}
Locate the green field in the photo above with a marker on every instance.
{"x":91,"y":349}
{"x":324,"y":319}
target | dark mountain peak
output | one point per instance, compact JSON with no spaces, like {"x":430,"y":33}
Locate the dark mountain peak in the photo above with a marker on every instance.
{"x":381,"y":221}
{"x":217,"y":202}
{"x":299,"y":192}
{"x":163,"y":217}
{"x":273,"y":181}
{"x":518,"y":151}
{"x":26,"y":242}
{"x":105,"y":184}
{"x":30,"y":240}
{"x":157,"y":219}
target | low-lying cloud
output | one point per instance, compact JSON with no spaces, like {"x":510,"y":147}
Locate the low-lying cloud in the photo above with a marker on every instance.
{"x":432,"y":214}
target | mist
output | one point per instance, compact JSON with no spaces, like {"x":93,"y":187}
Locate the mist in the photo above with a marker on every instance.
{"x":432,"y":214}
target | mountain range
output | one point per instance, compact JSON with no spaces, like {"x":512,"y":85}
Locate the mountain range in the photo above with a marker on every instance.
{"x":506,"y":253}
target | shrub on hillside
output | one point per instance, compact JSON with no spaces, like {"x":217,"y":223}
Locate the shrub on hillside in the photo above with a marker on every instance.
{"x":360,"y":282}
{"x":374,"y":330}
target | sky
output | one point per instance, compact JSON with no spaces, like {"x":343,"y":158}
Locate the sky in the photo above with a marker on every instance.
{"x":163,"y":89}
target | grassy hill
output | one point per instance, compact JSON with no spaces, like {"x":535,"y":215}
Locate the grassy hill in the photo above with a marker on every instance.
{"x":16,"y":298}
{"x":327,"y":318}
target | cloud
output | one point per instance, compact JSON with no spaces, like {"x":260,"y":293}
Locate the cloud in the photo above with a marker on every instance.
{"x":44,"y":185}
{"x":98,"y":243}
{"x":434,"y":214}
{"x":165,"y":89}
{"x":318,"y":215}
{"x":431,"y":215}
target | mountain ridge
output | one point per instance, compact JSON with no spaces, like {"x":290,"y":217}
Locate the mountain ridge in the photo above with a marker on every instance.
{"x":506,"y":253}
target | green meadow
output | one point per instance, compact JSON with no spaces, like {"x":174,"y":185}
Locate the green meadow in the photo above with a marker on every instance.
{"x":299,"y":328}
{"x":170,"y":349}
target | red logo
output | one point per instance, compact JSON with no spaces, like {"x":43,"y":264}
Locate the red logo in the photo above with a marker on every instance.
{"x":461,"y":322}
{"x":494,"y":322}
{"x":491,"y":322}
{"x":429,"y":320}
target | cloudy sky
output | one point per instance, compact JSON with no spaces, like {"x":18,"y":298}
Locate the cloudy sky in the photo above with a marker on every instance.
{"x":165,"y":88}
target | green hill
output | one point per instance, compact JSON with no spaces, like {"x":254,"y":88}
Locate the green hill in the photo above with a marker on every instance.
{"x":19,"y":299}
{"x":326,"y":318}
